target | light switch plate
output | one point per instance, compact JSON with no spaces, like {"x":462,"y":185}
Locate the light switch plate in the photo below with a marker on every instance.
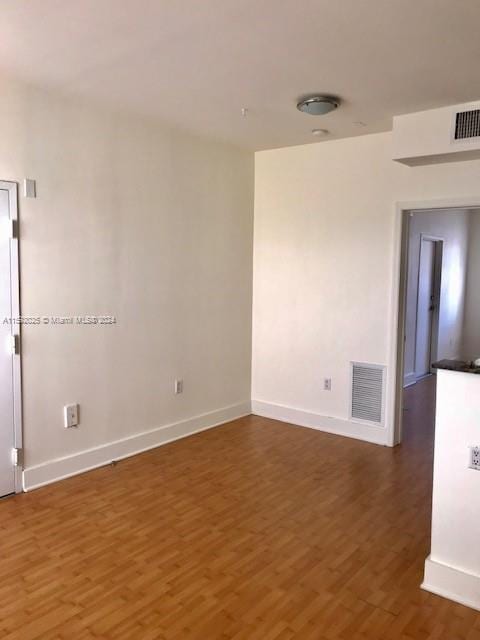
{"x":29,"y":188}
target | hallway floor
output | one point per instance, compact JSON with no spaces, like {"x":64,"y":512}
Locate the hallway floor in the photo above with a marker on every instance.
{"x":255,"y":530}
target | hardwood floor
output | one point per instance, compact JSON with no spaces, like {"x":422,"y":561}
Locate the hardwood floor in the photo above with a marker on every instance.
{"x":255,"y":530}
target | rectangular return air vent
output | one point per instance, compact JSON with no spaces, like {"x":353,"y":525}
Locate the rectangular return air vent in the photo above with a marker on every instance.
{"x":368,"y":383}
{"x":467,"y":124}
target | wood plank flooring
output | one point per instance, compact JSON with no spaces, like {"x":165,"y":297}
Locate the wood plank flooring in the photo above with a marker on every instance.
{"x":255,"y":530}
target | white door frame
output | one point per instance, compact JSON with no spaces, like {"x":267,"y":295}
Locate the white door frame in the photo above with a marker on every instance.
{"x":12,"y":189}
{"x":398,"y":304}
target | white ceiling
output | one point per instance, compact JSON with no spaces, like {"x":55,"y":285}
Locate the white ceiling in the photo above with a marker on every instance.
{"x":196,"y":63}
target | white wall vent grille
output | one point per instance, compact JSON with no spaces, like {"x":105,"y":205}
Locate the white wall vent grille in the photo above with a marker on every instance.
{"x":368,"y":384}
{"x":467,"y":124}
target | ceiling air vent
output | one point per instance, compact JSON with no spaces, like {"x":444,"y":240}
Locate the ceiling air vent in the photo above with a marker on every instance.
{"x":368,"y":382}
{"x":467,"y":124}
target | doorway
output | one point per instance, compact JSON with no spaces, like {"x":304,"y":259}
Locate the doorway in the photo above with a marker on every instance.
{"x":438,"y":306}
{"x":428,"y":304}
{"x":10,"y":376}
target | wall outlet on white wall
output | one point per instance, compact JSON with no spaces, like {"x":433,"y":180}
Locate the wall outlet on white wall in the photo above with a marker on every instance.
{"x":475,"y":458}
{"x":70,"y":415}
{"x":178,"y":387}
{"x":327,"y":384}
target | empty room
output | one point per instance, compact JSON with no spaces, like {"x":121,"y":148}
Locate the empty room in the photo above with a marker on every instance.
{"x":239,"y":320}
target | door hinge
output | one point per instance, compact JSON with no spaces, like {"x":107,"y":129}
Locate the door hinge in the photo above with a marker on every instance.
{"x":15,"y":344}
{"x":17,"y":457}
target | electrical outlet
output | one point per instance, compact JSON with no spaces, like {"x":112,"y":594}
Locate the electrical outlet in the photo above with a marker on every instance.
{"x":70,"y":416}
{"x":327,"y":384}
{"x":475,"y":458}
{"x":178,"y":387}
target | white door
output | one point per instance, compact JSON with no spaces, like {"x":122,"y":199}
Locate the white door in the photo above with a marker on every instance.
{"x":425,"y":308}
{"x":7,"y":363}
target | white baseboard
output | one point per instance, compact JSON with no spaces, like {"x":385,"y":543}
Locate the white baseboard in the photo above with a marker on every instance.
{"x":60,"y":468}
{"x":409,"y":379}
{"x":451,"y":583}
{"x":338,"y":426}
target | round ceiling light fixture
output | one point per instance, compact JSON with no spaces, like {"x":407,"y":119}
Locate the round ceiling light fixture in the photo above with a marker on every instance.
{"x":318,"y":105}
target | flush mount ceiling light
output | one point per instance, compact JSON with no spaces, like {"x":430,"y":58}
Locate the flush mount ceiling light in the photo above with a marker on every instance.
{"x":318,"y":105}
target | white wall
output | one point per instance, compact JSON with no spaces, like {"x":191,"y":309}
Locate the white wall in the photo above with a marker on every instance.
{"x":144,"y":223}
{"x":453,"y":227}
{"x":326,"y":254}
{"x":453,"y":568}
{"x":471,"y":343}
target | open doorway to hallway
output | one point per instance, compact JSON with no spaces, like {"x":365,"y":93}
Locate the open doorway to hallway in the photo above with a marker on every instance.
{"x":428,"y":298}
{"x":441,"y":308}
